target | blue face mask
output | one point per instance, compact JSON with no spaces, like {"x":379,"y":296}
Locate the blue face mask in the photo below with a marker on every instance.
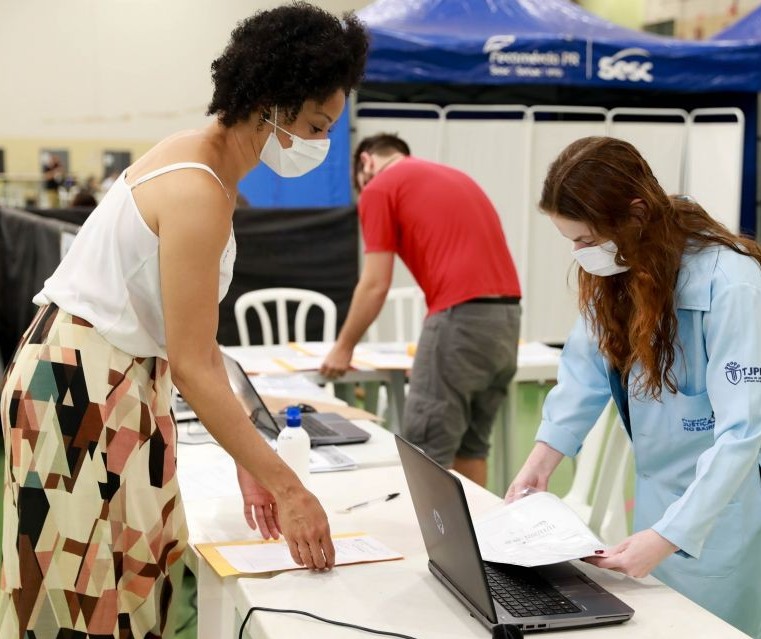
{"x":300,"y":158}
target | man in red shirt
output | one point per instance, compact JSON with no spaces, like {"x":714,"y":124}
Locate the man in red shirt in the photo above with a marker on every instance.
{"x":445,"y":229}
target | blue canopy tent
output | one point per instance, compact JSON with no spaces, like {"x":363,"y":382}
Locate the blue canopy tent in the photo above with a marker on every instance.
{"x":553,"y":52}
{"x":747,"y":28}
{"x":542,"y":41}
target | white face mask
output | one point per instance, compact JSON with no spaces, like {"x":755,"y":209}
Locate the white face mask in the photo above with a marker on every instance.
{"x":300,"y":158}
{"x":599,"y":260}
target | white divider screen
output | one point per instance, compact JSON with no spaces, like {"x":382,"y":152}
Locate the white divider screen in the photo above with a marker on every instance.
{"x":714,"y":162}
{"x":507,"y":149}
{"x":419,"y":125}
{"x":490,"y":143}
{"x":550,"y":305}
{"x":660,"y":135}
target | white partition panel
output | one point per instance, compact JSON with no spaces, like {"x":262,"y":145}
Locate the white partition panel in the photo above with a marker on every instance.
{"x":508,"y":149}
{"x":491,"y":144}
{"x":419,"y":125}
{"x":550,"y":296}
{"x":714,"y":162}
{"x":660,"y":135}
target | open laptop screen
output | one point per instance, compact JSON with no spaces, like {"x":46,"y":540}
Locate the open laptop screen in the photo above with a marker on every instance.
{"x":248,"y":397}
{"x":444,"y":519}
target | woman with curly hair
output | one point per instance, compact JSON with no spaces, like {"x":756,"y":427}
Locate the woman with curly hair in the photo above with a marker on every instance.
{"x":669,"y":302}
{"x":93,"y":518}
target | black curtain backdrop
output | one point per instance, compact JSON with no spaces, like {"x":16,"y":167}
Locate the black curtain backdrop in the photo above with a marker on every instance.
{"x":302,"y":248}
{"x":315,"y":249}
{"x":30,"y":250}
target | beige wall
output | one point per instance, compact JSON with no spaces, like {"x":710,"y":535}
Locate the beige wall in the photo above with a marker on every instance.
{"x":94,"y":74}
{"x":693,"y":19}
{"x":628,"y":14}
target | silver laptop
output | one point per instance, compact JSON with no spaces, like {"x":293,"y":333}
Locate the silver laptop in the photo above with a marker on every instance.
{"x":325,"y":429}
{"x":534,"y":599}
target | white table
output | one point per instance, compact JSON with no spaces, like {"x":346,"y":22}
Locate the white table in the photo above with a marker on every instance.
{"x":404,"y":597}
{"x":262,"y":356}
{"x":536,"y":363}
{"x":401,"y":596}
{"x":214,"y":512}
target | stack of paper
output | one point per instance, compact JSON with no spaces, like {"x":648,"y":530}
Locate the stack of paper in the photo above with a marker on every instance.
{"x":325,"y":459}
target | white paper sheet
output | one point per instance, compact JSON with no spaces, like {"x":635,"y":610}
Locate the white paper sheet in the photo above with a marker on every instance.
{"x":266,"y":557}
{"x":255,"y":364}
{"x":296,"y":385}
{"x":325,"y":459}
{"x":316,"y":349}
{"x":298,"y":362}
{"x":536,"y":530}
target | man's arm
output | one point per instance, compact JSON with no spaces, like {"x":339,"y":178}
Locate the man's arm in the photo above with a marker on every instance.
{"x":366,"y":304}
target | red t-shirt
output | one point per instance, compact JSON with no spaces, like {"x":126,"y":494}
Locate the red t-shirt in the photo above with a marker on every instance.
{"x":444,"y":228}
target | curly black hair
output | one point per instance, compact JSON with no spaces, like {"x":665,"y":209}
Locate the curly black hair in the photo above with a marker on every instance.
{"x":285,"y":56}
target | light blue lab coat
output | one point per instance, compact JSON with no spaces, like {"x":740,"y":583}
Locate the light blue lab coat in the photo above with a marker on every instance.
{"x":697,"y":451}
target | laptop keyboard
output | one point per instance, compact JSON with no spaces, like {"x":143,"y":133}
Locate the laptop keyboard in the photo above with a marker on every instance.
{"x":525,"y":594}
{"x":314,"y":426}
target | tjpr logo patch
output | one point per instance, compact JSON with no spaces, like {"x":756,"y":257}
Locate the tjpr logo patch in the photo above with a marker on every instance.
{"x":737,"y":373}
{"x":734,"y":372}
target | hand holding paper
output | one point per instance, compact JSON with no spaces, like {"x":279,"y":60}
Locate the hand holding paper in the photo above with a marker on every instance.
{"x":536,"y":530}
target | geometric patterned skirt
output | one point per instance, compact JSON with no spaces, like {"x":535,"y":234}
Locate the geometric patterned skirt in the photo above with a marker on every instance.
{"x":92,"y":518}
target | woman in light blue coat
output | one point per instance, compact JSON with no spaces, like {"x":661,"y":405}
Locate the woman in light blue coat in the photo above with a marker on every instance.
{"x":670,"y":307}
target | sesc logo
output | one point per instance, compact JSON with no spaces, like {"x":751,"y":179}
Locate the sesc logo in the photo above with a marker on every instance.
{"x":617,"y":67}
{"x":498,"y":42}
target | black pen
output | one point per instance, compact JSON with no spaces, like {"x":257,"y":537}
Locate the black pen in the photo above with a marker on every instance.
{"x":361,"y":504}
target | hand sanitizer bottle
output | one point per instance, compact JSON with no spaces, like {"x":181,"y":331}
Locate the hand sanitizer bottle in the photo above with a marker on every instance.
{"x":293,"y":444}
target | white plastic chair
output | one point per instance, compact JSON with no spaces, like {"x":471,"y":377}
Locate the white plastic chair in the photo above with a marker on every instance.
{"x":597,"y":490}
{"x":406,"y":304}
{"x":280,"y":297}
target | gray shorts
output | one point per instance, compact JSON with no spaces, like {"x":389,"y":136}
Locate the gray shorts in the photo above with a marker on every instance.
{"x":465,"y":359}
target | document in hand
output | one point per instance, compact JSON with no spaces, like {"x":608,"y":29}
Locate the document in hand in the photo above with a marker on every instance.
{"x":260,"y":556}
{"x":536,"y":530}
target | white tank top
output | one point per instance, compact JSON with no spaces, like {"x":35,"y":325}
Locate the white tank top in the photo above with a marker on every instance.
{"x":110,"y":275}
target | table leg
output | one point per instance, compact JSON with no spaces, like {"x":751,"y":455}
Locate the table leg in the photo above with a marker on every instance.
{"x":371,"y":396}
{"x":499,"y":453}
{"x":216,"y":608}
{"x":396,"y":398}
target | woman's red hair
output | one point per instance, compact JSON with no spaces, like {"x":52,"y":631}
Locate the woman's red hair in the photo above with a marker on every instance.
{"x":606,"y":184}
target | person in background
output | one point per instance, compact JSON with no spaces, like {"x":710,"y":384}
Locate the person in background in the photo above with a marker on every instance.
{"x":84,"y":198}
{"x":108,"y":181}
{"x":668,"y":298}
{"x":85,"y":193}
{"x":447,"y":232}
{"x":93,"y":517}
{"x":52,"y":179}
